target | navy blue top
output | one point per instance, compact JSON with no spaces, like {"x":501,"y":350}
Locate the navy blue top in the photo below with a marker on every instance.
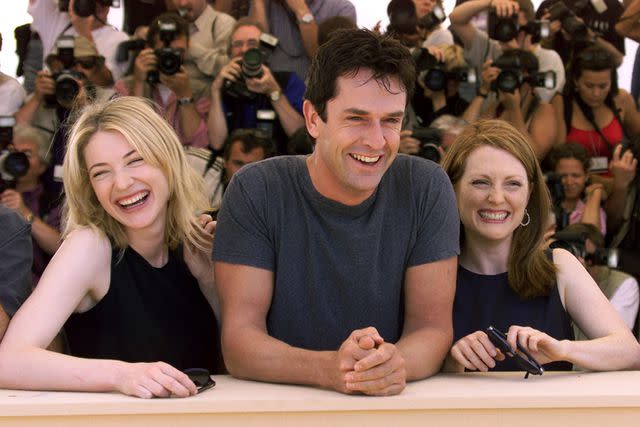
{"x":484,"y":300}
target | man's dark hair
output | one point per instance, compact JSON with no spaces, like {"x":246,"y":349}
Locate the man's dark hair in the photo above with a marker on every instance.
{"x":249,"y":139}
{"x":345,"y":53}
{"x":329,"y":26}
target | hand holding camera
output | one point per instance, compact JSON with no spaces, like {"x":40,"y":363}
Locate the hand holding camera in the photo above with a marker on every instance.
{"x":264,"y":84}
{"x":45,"y":85}
{"x":232,"y":71}
{"x":178,"y":83}
{"x":145,"y":62}
{"x":504,"y":8}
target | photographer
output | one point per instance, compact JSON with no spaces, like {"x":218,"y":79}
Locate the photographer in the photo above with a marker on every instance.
{"x":571,"y":162}
{"x":65,"y":88}
{"x":479,"y":47}
{"x":512,"y":77}
{"x":619,"y":287}
{"x":11,"y":93}
{"x":295,"y":24}
{"x":50,"y":22}
{"x":159,"y":74}
{"x":577,"y":24}
{"x":242,"y":101}
{"x":30,"y":200}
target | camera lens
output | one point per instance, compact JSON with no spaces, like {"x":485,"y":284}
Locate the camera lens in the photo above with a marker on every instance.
{"x":169,"y":61}
{"x":15,"y":164}
{"x":508,"y":81}
{"x":67,"y":88}
{"x":252,"y":63}
{"x":435,"y":79}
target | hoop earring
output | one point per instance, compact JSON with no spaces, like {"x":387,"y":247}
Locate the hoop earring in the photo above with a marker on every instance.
{"x":528,"y":218}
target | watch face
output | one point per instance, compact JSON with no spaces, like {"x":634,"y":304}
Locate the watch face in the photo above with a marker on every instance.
{"x":307,"y":18}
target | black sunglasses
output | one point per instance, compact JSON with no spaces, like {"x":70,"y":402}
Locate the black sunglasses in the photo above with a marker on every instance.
{"x":201,"y":378}
{"x":523,"y":358}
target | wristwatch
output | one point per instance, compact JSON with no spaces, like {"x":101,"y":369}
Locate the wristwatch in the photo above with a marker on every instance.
{"x":185,"y":100}
{"x":30,"y":217}
{"x":275,"y":95}
{"x":307,"y":18}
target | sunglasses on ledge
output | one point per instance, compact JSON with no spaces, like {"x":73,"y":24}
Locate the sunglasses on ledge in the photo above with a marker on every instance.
{"x":201,"y":378}
{"x":523,"y":358}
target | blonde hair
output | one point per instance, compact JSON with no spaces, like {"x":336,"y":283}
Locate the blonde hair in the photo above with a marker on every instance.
{"x":152,"y":137}
{"x":453,"y":56}
{"x":531,"y":273}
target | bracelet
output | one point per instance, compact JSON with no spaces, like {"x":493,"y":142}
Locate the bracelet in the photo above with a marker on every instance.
{"x":30,"y":217}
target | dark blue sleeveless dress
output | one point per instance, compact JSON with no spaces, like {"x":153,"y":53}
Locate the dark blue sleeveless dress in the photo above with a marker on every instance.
{"x":484,"y":300}
{"x":149,"y":314}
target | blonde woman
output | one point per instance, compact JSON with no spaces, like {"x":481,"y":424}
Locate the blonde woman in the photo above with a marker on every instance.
{"x":506,"y":279}
{"x":129,"y":281}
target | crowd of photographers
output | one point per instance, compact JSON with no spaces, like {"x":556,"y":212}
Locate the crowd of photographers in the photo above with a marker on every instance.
{"x":228,"y":76}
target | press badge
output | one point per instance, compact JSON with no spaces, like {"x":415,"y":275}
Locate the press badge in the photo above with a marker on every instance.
{"x":599,"y":164}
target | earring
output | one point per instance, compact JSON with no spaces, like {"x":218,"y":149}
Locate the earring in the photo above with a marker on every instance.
{"x":527,"y":217}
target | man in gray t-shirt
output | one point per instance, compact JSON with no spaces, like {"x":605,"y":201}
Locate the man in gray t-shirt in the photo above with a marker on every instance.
{"x":338,"y":269}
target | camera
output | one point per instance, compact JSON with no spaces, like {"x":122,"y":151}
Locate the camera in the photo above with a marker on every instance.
{"x":430,"y":139}
{"x":13,"y":164}
{"x":433,"y":19}
{"x":574,"y":242}
{"x":85,"y":8}
{"x":556,"y":192}
{"x":537,"y":29}
{"x":567,"y":17}
{"x":251,"y":67}
{"x":66,"y":80}
{"x":432,"y":73}
{"x":402,"y":17}
{"x":169,"y":60}
{"x":134,"y":45}
{"x":502,"y":28}
{"x":511,"y":76}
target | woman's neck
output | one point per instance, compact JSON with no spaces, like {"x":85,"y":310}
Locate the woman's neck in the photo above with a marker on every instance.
{"x":149,"y":243}
{"x":569,"y":205}
{"x":485,"y":256}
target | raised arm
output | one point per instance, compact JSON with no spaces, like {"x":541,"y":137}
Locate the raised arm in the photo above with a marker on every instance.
{"x":628,"y":25}
{"x":74,"y":281}
{"x":612,"y":346}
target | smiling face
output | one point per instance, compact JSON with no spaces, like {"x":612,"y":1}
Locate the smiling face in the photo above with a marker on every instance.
{"x":130,"y":190}
{"x":359,"y":139}
{"x":492,"y":194}
{"x":574,"y":177}
{"x":594,"y":86}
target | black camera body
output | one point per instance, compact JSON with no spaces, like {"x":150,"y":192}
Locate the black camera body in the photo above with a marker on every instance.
{"x":430,"y":139}
{"x":538,"y":30}
{"x":402,"y":17}
{"x":432,"y":73}
{"x":511,"y":76}
{"x":85,"y":8}
{"x":574,"y":242}
{"x":169,"y":60}
{"x":569,"y":21}
{"x":66,"y":80}
{"x":251,"y":66}
{"x":502,"y":28}
{"x":13,"y":164}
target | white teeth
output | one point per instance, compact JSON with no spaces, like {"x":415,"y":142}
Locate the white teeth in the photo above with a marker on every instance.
{"x":365,"y":159}
{"x":134,"y":199}
{"x":495,"y":216}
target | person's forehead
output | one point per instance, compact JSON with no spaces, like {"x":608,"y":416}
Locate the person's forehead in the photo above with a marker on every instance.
{"x":347,"y":83}
{"x":246,"y":32}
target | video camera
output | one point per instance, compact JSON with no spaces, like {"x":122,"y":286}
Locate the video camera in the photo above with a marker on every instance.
{"x":251,"y":66}
{"x":574,"y":242}
{"x":568,"y":19}
{"x":169,"y":60}
{"x":13,"y":164}
{"x":66,"y":80}
{"x":85,"y":8}
{"x":511,"y":76}
{"x":432,"y":73}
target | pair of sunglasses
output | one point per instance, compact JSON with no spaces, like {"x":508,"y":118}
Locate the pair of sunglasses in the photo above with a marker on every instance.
{"x":201,"y":378}
{"x":523,"y":358}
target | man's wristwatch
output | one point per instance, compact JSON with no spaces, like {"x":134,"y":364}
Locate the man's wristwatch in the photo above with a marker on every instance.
{"x":30,"y":217}
{"x":307,"y":18}
{"x":185,"y":100}
{"x":275,"y":95}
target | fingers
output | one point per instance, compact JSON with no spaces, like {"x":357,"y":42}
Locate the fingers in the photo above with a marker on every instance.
{"x":147,"y":380}
{"x":476,"y":352}
{"x":381,"y":372}
{"x":370,"y":331}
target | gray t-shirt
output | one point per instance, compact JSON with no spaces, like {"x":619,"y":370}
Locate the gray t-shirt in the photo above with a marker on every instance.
{"x":16,"y":256}
{"x":337,"y":268}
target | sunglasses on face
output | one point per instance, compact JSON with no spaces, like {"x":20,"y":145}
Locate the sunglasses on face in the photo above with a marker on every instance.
{"x":201,"y":378}
{"x":523,"y":358}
